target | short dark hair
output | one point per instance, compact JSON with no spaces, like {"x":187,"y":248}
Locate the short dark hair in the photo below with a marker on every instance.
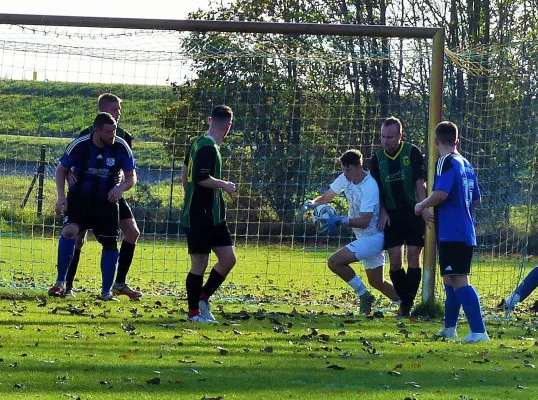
{"x":222,"y":114}
{"x":446,"y":132}
{"x":351,"y":157}
{"x":107,"y":98}
{"x":392,"y":121}
{"x":102,"y":119}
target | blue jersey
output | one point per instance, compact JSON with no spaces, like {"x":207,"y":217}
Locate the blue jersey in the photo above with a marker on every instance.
{"x":454,"y":217}
{"x":95,"y":167}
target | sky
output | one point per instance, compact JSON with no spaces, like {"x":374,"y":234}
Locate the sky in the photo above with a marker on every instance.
{"x":165,"y":9}
{"x":32,"y":56}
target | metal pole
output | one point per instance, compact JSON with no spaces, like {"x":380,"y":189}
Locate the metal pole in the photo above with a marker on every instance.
{"x":436,"y":104}
{"x":41,"y":174}
{"x":221,"y":26}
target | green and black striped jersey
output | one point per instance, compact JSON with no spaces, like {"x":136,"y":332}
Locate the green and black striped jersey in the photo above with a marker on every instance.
{"x":203,"y":205}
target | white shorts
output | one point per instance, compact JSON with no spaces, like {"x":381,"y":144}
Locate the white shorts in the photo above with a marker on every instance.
{"x":369,"y":250}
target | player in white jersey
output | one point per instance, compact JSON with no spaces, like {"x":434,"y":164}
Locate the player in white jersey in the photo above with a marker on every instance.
{"x":362,"y":194}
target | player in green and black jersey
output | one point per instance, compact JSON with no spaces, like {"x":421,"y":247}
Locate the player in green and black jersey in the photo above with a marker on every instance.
{"x":398,"y":168}
{"x":204,"y":215}
{"x":111,"y":104}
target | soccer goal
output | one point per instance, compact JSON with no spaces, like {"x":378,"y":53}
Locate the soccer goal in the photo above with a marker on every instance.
{"x":302,"y":95}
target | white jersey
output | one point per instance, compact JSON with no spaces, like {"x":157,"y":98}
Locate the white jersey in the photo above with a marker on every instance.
{"x":362,"y":197}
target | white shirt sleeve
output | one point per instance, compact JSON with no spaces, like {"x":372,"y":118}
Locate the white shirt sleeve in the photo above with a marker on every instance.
{"x":370,"y":197}
{"x":339,"y":183}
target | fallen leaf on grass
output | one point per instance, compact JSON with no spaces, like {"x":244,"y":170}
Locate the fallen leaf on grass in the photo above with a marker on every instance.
{"x":222,"y":351}
{"x":336,"y":367}
{"x":212,"y":398}
{"x":394,"y":373}
{"x":268,"y":349}
{"x":154,"y":381}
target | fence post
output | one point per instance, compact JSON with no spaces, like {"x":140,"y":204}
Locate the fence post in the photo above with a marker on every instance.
{"x":41,"y":174}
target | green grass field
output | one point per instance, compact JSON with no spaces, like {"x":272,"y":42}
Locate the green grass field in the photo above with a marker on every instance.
{"x":87,"y":349}
{"x":289,"y":330}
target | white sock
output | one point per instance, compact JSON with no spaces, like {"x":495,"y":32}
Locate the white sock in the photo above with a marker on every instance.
{"x":60,"y":283}
{"x":512,"y":300}
{"x":357,"y":285}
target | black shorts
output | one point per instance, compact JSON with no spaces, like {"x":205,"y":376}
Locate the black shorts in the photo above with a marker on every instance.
{"x":125,"y":209}
{"x":201,"y":238}
{"x":405,"y":228}
{"x":101,"y":216}
{"x":455,"y":258}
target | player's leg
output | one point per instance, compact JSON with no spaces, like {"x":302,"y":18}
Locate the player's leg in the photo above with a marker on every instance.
{"x":375,"y":271}
{"x":106,"y":230}
{"x":529,"y":284}
{"x":199,"y":247}
{"x":339,"y":264}
{"x":414,"y":239}
{"x":73,"y":267}
{"x":66,"y":247}
{"x":73,"y":222}
{"x":456,"y":266}
{"x":452,"y":308}
{"x":131,"y":233}
{"x":394,"y":240}
{"x":222,"y":246}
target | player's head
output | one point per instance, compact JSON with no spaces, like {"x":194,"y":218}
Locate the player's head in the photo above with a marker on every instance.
{"x":111,"y":104}
{"x":221,"y":119}
{"x":391,"y":134}
{"x":351,"y":162}
{"x":446,"y":133}
{"x":104,"y":126}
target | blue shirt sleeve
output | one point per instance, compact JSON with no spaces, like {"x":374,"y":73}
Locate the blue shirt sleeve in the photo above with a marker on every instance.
{"x":127,"y":161}
{"x":67,"y":161}
{"x":445,"y":181}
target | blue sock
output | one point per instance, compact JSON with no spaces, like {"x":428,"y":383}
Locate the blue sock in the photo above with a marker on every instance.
{"x":452,"y":307}
{"x":109,"y":261}
{"x":470,"y":302}
{"x":529,"y":284}
{"x":66,"y":248}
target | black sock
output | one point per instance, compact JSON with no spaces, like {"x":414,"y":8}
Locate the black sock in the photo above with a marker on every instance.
{"x":194,"y":288}
{"x":399,"y":279}
{"x":213,"y":282}
{"x":124,"y":261}
{"x":414,"y":276}
{"x":72,"y":270}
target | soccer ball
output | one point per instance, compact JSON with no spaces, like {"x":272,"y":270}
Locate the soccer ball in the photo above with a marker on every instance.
{"x":322,"y":214}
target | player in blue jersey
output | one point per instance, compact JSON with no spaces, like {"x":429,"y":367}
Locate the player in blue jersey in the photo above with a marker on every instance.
{"x":455,"y":195}
{"x":111,"y":104}
{"x":529,"y":284}
{"x":92,"y":202}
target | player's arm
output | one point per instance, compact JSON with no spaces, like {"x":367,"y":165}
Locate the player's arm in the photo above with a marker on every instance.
{"x":325,"y":198}
{"x":361,"y":222}
{"x":383,"y":219}
{"x":434,"y":199}
{"x":204,"y":169}
{"x":61,"y":202}
{"x":443,"y":184}
{"x":419,"y":172}
{"x":184,"y":171}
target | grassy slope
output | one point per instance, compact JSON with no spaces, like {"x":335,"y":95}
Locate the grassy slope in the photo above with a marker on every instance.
{"x":59,"y":109}
{"x":62,"y":110}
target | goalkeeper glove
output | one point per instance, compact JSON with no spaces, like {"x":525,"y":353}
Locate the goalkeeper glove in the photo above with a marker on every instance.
{"x":308,"y":205}
{"x":334,"y":221}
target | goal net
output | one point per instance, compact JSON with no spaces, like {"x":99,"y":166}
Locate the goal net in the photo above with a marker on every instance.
{"x":299,"y":103}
